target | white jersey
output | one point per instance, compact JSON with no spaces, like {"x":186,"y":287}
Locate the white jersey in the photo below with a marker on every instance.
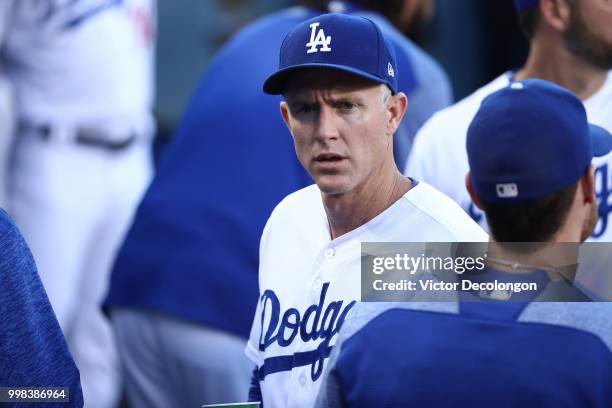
{"x":7,"y":113}
{"x":308,"y":282}
{"x":54,"y":50}
{"x":439,"y":154}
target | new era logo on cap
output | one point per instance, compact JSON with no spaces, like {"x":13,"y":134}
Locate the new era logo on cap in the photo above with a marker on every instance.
{"x":508,"y":190}
{"x":318,"y":38}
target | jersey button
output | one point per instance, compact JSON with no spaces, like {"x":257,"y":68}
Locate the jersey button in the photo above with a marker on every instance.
{"x":318,"y":283}
{"x":330,"y":253}
{"x":303,"y":380}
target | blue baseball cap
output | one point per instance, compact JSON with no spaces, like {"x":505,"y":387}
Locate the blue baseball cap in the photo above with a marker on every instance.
{"x":529,"y":140}
{"x":336,"y":41}
{"x":522,"y":5}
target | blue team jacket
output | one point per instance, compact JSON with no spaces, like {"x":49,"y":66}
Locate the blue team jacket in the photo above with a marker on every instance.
{"x":33,"y":351}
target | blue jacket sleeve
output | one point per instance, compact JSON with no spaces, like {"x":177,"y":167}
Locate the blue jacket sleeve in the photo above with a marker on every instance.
{"x":33,"y":351}
{"x":254,"y":390}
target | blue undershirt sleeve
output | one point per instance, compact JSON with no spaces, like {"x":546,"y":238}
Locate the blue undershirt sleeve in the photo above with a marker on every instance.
{"x":255,"y":390}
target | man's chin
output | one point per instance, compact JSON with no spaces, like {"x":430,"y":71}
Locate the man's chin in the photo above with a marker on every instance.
{"x":332,"y":185}
{"x":331,"y":190}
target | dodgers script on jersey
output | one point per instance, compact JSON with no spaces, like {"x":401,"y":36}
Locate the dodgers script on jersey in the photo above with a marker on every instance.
{"x":439,"y":156}
{"x":309,"y":283}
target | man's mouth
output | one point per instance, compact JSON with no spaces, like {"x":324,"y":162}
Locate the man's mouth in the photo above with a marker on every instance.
{"x":328,"y":158}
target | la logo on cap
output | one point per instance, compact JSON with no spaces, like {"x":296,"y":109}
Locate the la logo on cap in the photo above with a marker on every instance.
{"x":318,"y":38}
{"x":508,"y":190}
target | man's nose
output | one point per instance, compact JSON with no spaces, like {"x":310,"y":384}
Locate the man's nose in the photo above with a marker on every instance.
{"x":328,"y":125}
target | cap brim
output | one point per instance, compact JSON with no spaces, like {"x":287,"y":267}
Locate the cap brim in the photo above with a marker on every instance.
{"x":601,"y":140}
{"x":275,"y":84}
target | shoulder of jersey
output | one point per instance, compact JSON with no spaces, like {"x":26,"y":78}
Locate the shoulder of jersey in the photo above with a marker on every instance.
{"x":588,"y":316}
{"x":364,"y":312}
{"x":457,"y":117}
{"x":447,"y":212}
{"x":299,"y":202}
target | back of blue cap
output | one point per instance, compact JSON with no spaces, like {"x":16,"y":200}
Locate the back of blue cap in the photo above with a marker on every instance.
{"x":528,"y":140}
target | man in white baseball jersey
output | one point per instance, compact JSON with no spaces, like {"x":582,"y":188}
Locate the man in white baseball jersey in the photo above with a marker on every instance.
{"x":571,"y":45}
{"x":82,"y":71}
{"x":339,"y":79}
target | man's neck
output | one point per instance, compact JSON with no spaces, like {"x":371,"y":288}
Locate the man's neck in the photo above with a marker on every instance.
{"x":348,"y":211}
{"x":555,"y":64}
{"x":548,"y":256}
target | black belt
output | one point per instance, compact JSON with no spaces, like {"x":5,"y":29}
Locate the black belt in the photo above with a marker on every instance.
{"x":85,"y":137}
{"x":106,"y":144}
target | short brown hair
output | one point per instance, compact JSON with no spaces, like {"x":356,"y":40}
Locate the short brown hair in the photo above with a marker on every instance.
{"x":529,"y":20}
{"x":535,"y":221}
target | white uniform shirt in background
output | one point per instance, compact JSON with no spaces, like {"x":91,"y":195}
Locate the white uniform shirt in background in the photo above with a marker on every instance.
{"x":81,"y":61}
{"x":82,"y":71}
{"x":7,"y":114}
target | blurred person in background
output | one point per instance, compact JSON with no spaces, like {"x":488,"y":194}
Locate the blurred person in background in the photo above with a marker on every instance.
{"x":82,"y":72}
{"x":571,"y":45}
{"x":7,"y":115}
{"x":7,"y":122}
{"x":184,"y":286}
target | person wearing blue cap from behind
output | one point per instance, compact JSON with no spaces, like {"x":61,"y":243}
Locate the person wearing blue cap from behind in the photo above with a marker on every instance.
{"x":338,"y":76}
{"x":530,"y":149}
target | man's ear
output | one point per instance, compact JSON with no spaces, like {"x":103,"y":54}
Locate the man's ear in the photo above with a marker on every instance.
{"x":556,"y":13}
{"x":587,"y":183}
{"x":470,"y":188}
{"x":586,"y":194}
{"x":396,"y":108}
{"x":286,"y":115}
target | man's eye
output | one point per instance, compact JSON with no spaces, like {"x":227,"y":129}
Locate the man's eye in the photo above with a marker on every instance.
{"x":346,"y":106}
